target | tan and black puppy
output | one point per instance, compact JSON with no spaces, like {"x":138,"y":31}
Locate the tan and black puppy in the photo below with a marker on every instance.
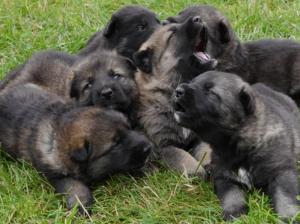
{"x":72,"y":147}
{"x":126,"y":31}
{"x":171,"y":56}
{"x":275,"y":63}
{"x":51,"y":70}
{"x":255,"y":135}
{"x":106,"y":79}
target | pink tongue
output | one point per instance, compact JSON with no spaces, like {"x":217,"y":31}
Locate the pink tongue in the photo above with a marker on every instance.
{"x":202,"y":56}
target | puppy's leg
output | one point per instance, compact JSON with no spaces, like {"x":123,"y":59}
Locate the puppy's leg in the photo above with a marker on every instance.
{"x":283,"y":191}
{"x":202,"y":152}
{"x":181,"y":161}
{"x":74,"y":190}
{"x":231,"y":196}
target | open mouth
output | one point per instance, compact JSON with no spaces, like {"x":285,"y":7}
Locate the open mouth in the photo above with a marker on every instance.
{"x":200,"y":47}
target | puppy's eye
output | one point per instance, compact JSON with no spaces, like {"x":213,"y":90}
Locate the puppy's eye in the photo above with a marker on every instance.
{"x":117,"y":76}
{"x":141,"y":27}
{"x":88,"y":85}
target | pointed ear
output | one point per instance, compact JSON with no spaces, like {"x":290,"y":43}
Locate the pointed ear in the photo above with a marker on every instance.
{"x":111,"y":27}
{"x":143,"y":60}
{"x":247,"y":100}
{"x":224,"y":31}
{"x":82,"y":154}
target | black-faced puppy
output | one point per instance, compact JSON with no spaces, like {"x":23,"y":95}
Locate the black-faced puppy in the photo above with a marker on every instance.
{"x":168,"y":58}
{"x":51,"y":70}
{"x":255,"y":135}
{"x":106,"y":79}
{"x":275,"y":63}
{"x":127,"y":29}
{"x":72,"y":147}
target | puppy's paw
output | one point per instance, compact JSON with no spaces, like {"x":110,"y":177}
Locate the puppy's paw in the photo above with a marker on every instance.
{"x":84,"y":201}
{"x":234,"y":212}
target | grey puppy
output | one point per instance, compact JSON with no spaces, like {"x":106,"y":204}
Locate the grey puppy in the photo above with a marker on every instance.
{"x":169,"y":57}
{"x":273,"y":62}
{"x":255,"y":135}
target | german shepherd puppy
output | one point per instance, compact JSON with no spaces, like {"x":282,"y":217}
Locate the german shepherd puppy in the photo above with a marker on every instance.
{"x":106,"y":79}
{"x":72,"y":147}
{"x":50,"y":70}
{"x":127,"y":29}
{"x":275,"y":63}
{"x":255,"y":135}
{"x":172,"y":55}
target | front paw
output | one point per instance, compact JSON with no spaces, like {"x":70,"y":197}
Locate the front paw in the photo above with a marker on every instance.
{"x":234,"y":212}
{"x":84,"y":201}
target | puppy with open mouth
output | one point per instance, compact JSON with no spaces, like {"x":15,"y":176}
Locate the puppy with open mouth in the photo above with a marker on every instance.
{"x":274,"y":62}
{"x":174,"y":54}
{"x":254,"y":132}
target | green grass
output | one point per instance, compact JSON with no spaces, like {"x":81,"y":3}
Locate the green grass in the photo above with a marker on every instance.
{"x":28,"y":26}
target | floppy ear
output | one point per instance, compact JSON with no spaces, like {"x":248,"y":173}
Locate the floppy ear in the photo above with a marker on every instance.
{"x":111,"y":27}
{"x":247,"y":100}
{"x":82,"y":154}
{"x":224,"y":31}
{"x":143,"y":60}
{"x":75,"y":86}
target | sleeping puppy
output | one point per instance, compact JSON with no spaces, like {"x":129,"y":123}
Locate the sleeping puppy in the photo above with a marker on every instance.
{"x":275,"y":63}
{"x":172,"y":55}
{"x":255,"y":135}
{"x":127,"y":29}
{"x":72,"y":147}
{"x":106,"y":79}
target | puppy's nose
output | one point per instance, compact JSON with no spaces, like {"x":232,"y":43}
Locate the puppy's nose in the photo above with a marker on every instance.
{"x":197,"y":19}
{"x":179,"y":92}
{"x":107,"y":93}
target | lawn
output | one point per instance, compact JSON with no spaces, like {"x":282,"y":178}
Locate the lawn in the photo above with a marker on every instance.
{"x":28,"y":26}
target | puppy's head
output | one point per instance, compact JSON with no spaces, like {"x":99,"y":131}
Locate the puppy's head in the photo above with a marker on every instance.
{"x":213,"y":100}
{"x":106,"y":80}
{"x":129,"y":27}
{"x":100,"y":143}
{"x":176,"y":51}
{"x":220,"y":33}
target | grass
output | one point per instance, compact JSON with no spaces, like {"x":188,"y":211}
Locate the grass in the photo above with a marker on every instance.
{"x":28,"y":26}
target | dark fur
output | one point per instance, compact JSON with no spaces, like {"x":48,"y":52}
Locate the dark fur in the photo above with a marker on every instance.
{"x":164,"y":61}
{"x":72,"y":147}
{"x":253,"y":128}
{"x":127,"y":29}
{"x":106,"y":80}
{"x":275,"y":63}
{"x":51,"y":70}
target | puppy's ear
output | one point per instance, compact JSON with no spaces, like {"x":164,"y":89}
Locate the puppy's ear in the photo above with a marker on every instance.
{"x":75,"y":86}
{"x":130,"y":64}
{"x":111,"y":27}
{"x":143,"y":60}
{"x":224,"y":31}
{"x":82,"y":154}
{"x":247,"y":100}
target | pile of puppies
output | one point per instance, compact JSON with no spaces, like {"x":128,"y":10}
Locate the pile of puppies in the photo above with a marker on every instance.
{"x":186,"y":88}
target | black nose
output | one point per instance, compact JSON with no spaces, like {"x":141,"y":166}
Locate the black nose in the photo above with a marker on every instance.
{"x":197,"y":19}
{"x":107,"y":93}
{"x":179,"y":92}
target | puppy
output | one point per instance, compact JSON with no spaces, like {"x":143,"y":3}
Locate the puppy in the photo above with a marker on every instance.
{"x":72,"y":147}
{"x":106,"y":79}
{"x":172,"y":55}
{"x":127,"y":29}
{"x":275,"y":63}
{"x":50,"y":70}
{"x":255,"y":135}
